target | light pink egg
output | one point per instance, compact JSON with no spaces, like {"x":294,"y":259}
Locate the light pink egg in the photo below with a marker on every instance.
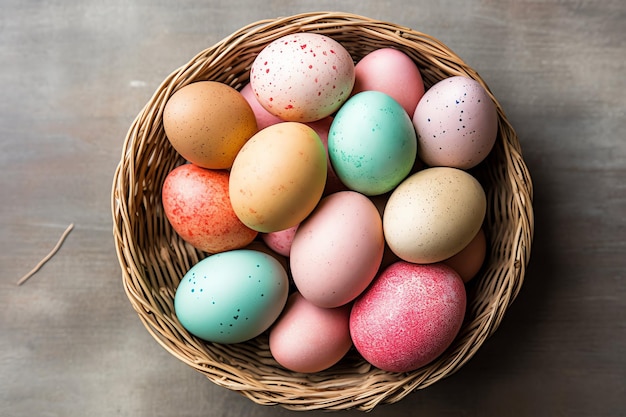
{"x":302,"y":77}
{"x":307,"y":338}
{"x":408,"y":316}
{"x":333,"y":183}
{"x":280,"y":241}
{"x":456,"y":122}
{"x":337,"y":249}
{"x":263,"y":117}
{"x":392,"y":72}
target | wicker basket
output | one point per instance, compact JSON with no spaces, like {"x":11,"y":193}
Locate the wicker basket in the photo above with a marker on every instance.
{"x":153,"y":258}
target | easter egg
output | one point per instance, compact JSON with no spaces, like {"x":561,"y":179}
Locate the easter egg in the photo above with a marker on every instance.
{"x":278,"y":177}
{"x":302,"y":77}
{"x":307,"y":338}
{"x":208,"y":122}
{"x":457,"y":123}
{"x":232,"y":296}
{"x":372,"y":144}
{"x":197,"y":205}
{"x":337,"y":250}
{"x":408,"y":316}
{"x":433,"y":214}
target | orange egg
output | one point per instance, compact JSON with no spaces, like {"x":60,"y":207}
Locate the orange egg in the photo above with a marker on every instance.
{"x":278,"y":177}
{"x":468,"y":262}
{"x":208,"y":122}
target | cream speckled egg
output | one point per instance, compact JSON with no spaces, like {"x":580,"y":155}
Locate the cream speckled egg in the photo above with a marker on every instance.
{"x":434,"y":214}
{"x":302,"y":77}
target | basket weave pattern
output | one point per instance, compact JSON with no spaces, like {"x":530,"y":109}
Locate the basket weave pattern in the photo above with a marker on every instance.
{"x":153,"y":258}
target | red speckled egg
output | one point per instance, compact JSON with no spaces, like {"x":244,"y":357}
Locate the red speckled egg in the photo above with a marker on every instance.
{"x":408,"y":316}
{"x":302,"y":77}
{"x":197,"y":205}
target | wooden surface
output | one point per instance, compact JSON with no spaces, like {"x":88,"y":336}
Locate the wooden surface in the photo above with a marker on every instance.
{"x":75,"y":73}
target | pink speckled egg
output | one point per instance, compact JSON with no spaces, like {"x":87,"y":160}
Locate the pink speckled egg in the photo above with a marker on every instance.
{"x":337,"y":250}
{"x":307,"y":338}
{"x":392,"y":72}
{"x":408,"y":316}
{"x":456,"y":122}
{"x":263,"y":117}
{"x":302,"y":77}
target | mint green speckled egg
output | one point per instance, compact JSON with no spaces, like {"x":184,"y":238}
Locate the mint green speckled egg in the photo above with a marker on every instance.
{"x":372,"y":143}
{"x":232,"y":296}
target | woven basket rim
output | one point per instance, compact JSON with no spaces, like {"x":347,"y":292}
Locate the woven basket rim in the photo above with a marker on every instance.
{"x":153,"y":259}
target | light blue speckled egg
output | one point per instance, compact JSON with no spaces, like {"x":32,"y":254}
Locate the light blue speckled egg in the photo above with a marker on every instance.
{"x":231,"y":297}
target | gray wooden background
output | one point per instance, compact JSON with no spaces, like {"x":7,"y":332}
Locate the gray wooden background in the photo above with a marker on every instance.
{"x":75,"y":73}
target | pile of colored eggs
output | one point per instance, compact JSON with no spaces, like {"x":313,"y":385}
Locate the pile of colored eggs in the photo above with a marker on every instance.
{"x":334,"y":201}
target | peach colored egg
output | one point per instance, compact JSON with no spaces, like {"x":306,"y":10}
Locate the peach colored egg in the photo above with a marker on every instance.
{"x":337,"y":250}
{"x":456,"y":122}
{"x":278,"y":177}
{"x":433,"y":214}
{"x":470,"y":259}
{"x":307,"y":338}
{"x":207,"y":122}
{"x":393,"y":72}
{"x":302,"y":77}
{"x":281,"y":240}
{"x":408,"y":316}
{"x":197,"y":205}
{"x":263,"y":117}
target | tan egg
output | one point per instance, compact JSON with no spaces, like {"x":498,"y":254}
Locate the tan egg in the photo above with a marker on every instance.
{"x":434,"y":214}
{"x":208,"y":122}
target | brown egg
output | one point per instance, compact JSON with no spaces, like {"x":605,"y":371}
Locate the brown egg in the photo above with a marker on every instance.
{"x":208,"y":122}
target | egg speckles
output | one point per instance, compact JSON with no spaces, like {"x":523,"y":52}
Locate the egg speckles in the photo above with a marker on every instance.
{"x":456,"y":123}
{"x":302,"y":77}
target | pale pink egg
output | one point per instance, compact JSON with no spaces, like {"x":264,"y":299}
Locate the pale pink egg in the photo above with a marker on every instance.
{"x":408,"y":316}
{"x":338,"y":249}
{"x":392,"y":72}
{"x":307,"y":338}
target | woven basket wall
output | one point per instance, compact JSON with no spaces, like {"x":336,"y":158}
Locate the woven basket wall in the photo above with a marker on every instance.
{"x":153,"y":258}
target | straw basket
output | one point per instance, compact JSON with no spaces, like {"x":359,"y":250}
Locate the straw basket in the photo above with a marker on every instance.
{"x":153,"y":258}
